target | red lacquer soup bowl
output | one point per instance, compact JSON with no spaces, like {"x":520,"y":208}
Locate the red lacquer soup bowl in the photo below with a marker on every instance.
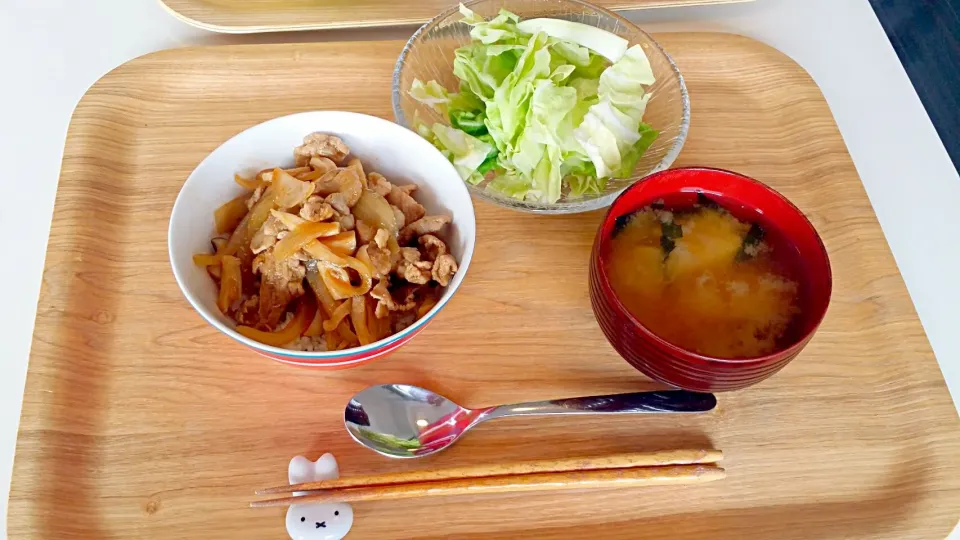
{"x":749,"y":201}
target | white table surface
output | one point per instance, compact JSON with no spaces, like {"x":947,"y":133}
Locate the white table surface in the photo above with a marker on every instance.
{"x":51,"y":51}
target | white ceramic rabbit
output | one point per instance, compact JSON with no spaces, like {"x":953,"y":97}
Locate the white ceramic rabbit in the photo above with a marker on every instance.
{"x":317,"y":521}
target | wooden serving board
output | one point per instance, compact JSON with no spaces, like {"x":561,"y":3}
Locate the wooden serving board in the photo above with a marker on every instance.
{"x":249,"y":16}
{"x":141,"y":421}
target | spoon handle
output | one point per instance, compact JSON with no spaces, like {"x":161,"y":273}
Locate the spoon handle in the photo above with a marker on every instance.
{"x":665,"y":401}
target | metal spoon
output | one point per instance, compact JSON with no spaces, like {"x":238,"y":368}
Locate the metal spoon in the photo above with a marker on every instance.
{"x":402,"y":421}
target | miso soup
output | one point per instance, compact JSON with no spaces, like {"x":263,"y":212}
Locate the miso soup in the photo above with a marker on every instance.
{"x":704,"y":280}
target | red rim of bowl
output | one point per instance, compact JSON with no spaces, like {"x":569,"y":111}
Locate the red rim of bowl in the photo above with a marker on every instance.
{"x":774,"y":357}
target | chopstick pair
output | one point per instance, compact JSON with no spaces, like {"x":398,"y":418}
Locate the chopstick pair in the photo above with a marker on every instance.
{"x":623,"y":470}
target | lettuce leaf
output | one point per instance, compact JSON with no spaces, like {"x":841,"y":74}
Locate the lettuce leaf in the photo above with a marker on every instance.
{"x":507,"y":115}
{"x":611,"y":127}
{"x":633,"y":154}
{"x":500,"y":29}
{"x":439,"y":99}
{"x":510,"y":185}
{"x":471,"y":122}
{"x":466,"y":152}
{"x":623,"y":83}
{"x":431,"y":93}
{"x":541,"y":111}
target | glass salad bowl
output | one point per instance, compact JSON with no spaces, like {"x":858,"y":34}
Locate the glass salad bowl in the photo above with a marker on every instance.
{"x":429,"y":56}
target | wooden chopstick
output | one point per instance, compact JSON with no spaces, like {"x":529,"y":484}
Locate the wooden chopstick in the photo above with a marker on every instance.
{"x":549,"y":481}
{"x":619,"y":461}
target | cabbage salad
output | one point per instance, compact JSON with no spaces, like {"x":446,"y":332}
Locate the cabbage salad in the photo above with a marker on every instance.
{"x":546,"y":107}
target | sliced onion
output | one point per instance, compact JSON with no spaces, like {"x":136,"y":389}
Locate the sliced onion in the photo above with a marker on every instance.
{"x":304,"y":234}
{"x":343,"y":244}
{"x":290,"y":191}
{"x":337,"y":279}
{"x":375,"y":211}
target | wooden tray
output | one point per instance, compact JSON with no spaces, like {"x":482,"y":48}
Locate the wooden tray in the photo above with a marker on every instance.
{"x":141,"y":421}
{"x":249,"y":16}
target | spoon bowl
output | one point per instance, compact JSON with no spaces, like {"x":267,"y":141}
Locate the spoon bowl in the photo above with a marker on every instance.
{"x":403,"y":421}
